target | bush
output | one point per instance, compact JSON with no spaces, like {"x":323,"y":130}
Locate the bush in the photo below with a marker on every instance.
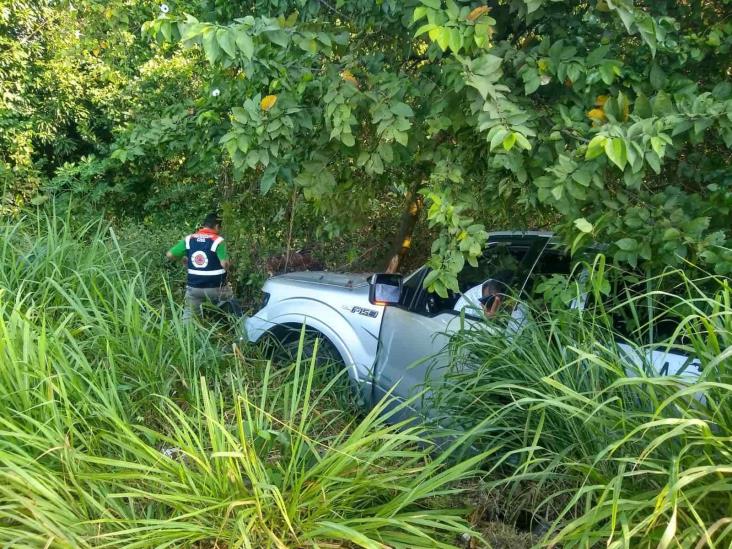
{"x":122,"y":427}
{"x":600,"y":446}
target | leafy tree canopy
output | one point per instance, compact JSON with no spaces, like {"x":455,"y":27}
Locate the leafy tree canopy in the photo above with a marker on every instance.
{"x":65,"y":71}
{"x":614,"y":118}
{"x":606,"y":120}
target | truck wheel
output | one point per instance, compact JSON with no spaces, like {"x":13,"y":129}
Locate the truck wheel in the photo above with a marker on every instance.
{"x":328,"y":363}
{"x":283,"y":350}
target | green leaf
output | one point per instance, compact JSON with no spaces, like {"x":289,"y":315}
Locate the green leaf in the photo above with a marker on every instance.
{"x":616,"y":152}
{"x":455,"y":40}
{"x":531,"y":85}
{"x":190,"y":31}
{"x":245,"y":44}
{"x":452,"y":9}
{"x":597,"y":55}
{"x":583,"y":225}
{"x":440,"y":289}
{"x":434,"y":4}
{"x":430,"y":278}
{"x":402,"y":109}
{"x":498,"y":137}
{"x":596,"y":147}
{"x":509,"y":141}
{"x":442,"y":37}
{"x":348,"y":140}
{"x":211,"y":47}
{"x":487,"y":65}
{"x":647,"y":28}
{"x":386,"y":152}
{"x":658,"y":145}
{"x":482,"y":32}
{"x":480,"y":83}
{"x":39,"y":199}
{"x":278,"y":37}
{"x":268,"y":179}
{"x":583,"y":177}
{"x":240,"y":115}
{"x":425,"y":28}
{"x":533,"y":5}
{"x":166,"y":30}
{"x":662,"y":104}
{"x":626,"y":16}
{"x":627,"y":244}
{"x":671,"y":234}
{"x":653,"y":161}
{"x":242,"y":143}
{"x":657,"y":77}
{"x":401,"y":137}
{"x":642,"y":107}
{"x":226,"y":41}
{"x":521,"y":141}
{"x":419,"y":13}
{"x":607,"y":72}
{"x":377,"y":166}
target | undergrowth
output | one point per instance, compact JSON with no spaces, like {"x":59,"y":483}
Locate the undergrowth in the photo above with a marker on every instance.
{"x":123,"y":427}
{"x":596,"y":445}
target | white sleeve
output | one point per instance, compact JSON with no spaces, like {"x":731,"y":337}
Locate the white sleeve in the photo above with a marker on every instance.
{"x":470,"y":299}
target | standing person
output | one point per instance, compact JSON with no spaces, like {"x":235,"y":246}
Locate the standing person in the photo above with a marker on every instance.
{"x":204,"y":254}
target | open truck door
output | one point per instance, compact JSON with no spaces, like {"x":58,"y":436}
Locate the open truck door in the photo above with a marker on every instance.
{"x":416,"y":331}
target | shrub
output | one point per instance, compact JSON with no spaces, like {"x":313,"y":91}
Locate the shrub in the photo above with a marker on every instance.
{"x":600,"y":445}
{"x":122,"y":427}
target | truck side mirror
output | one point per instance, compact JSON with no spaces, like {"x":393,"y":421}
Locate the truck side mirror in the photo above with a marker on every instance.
{"x":385,"y":289}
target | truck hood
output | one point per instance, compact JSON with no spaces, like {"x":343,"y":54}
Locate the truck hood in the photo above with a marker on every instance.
{"x":334,"y":289}
{"x":323,"y":278}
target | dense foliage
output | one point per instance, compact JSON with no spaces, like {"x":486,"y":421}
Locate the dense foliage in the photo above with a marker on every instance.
{"x":606,"y":120}
{"x":593,"y":441}
{"x":123,"y":427}
{"x":614,"y":116}
{"x":315,"y":121}
{"x":65,"y":74}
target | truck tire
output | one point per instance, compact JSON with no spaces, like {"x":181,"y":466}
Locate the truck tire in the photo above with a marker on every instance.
{"x":283,"y":348}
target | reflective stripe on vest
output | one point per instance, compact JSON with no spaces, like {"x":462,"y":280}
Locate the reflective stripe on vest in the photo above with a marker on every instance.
{"x":207,"y":273}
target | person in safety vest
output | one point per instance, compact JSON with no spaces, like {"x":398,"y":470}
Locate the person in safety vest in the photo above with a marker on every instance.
{"x":204,"y":254}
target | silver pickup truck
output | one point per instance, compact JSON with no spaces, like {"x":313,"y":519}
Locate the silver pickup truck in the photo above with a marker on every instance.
{"x":390,"y":332}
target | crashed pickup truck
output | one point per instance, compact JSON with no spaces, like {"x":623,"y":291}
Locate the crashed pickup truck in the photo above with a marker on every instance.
{"x":391,"y":333}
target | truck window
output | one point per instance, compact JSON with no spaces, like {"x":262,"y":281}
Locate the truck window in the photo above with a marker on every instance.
{"x":410,"y":288}
{"x":552,"y":262}
{"x":499,"y":260}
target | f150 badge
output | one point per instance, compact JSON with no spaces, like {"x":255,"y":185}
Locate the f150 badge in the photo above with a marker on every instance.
{"x":363,"y":311}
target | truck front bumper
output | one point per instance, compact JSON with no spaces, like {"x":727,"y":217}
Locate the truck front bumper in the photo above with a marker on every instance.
{"x":253,"y":327}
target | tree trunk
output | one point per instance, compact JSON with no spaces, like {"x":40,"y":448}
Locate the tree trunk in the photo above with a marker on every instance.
{"x":403,"y":240}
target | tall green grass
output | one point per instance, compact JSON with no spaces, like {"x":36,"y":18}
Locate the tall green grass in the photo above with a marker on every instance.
{"x":122,"y":427}
{"x":605,"y":451}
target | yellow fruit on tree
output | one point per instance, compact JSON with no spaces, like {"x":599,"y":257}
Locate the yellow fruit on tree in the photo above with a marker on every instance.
{"x":347,"y":76}
{"x":477,"y":12}
{"x":268,"y":102}
{"x":597,"y":115}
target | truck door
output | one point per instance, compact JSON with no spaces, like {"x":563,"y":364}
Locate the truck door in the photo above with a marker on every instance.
{"x":414,"y":336}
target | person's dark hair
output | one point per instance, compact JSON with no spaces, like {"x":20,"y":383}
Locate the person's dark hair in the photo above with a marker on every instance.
{"x":212,"y":220}
{"x":495,"y":286}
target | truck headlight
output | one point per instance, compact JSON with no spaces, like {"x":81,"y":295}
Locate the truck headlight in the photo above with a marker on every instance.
{"x":265,"y":299}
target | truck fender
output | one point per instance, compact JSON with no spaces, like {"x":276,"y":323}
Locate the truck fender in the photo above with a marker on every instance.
{"x":332,"y":324}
